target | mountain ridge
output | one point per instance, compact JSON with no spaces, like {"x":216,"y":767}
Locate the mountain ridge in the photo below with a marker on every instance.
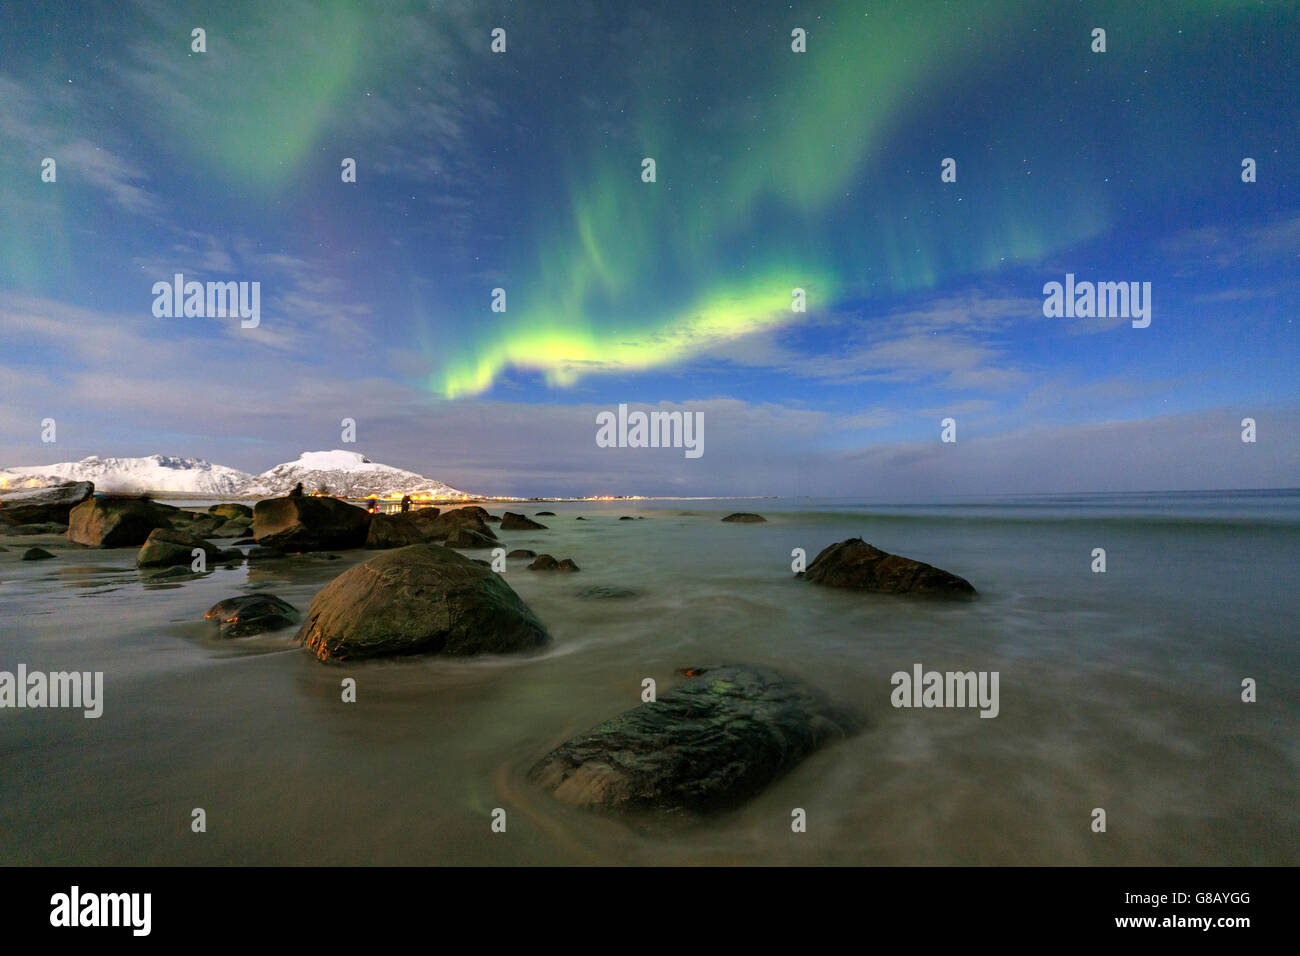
{"x":347,"y":474}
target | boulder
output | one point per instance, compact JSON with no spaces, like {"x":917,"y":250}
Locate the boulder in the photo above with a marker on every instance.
{"x":546,"y":514}
{"x":466,"y":538}
{"x":44,"y":505}
{"x":745,"y":517}
{"x":36,"y":554}
{"x":546,"y":562}
{"x":449,"y":522}
{"x":517,"y":522}
{"x":626,"y":518}
{"x":309,"y":524}
{"x":204,"y":526}
{"x":421,"y":599}
{"x":256,"y":553}
{"x":231,"y":529}
{"x":522,"y":553}
{"x":856,"y":564}
{"x":393,"y":531}
{"x":166,"y":547}
{"x":230,"y":510}
{"x":116,"y":522}
{"x":251,"y":614}
{"x":707,"y":744}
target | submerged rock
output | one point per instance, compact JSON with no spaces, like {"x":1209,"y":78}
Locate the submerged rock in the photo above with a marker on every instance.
{"x":546,"y":514}
{"x":517,"y":522}
{"x":251,"y":614}
{"x":626,"y":518}
{"x":522,"y":553}
{"x":48,"y":527}
{"x":36,"y":554}
{"x":421,"y":599}
{"x":309,"y":524}
{"x":606,"y":591}
{"x":44,"y":505}
{"x":745,"y":517}
{"x":707,"y":744}
{"x":545,"y":562}
{"x":856,"y":564}
{"x":116,"y":522}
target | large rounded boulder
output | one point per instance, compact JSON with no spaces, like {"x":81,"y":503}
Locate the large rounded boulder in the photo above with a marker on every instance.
{"x":856,"y":564}
{"x":309,"y":524}
{"x":116,"y":522}
{"x":421,"y":599}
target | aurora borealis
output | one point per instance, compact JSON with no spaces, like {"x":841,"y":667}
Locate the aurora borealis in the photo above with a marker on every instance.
{"x":522,"y":171}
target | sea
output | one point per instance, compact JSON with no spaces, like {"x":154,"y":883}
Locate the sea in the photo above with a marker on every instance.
{"x":1163,"y":691}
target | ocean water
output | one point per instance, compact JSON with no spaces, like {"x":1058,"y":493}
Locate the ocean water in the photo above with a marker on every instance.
{"x":1119,"y":691}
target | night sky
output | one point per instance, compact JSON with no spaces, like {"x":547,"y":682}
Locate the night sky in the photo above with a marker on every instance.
{"x":774,"y":170}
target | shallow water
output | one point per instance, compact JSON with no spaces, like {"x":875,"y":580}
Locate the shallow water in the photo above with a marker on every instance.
{"x":1118,"y":690}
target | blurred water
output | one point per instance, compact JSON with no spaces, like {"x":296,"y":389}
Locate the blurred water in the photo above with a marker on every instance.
{"x":1118,"y":690}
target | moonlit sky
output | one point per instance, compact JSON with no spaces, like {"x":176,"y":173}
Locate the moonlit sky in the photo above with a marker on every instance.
{"x":775,"y":169}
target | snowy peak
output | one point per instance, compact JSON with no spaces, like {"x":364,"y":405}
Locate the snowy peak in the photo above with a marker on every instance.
{"x":151,"y":474}
{"x":348,"y":474}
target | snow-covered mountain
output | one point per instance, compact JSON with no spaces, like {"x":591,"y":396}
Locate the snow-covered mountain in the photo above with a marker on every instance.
{"x":347,"y":474}
{"x":155,"y":473}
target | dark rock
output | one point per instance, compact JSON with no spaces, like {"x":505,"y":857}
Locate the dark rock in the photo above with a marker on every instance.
{"x":467,"y":538}
{"x":546,"y":562}
{"x":393,"y":531}
{"x":546,"y":514}
{"x":707,"y":744}
{"x":3,"y":548}
{"x":243,"y":541}
{"x":626,"y":518}
{"x":607,"y":592}
{"x":421,"y":599}
{"x":36,"y":554}
{"x":516,"y":522}
{"x":251,"y":614}
{"x":166,"y":546}
{"x":856,"y":564}
{"x":492,"y":519}
{"x":263,"y":554}
{"x":44,"y":505}
{"x":173,"y":572}
{"x":116,"y":522}
{"x":580,"y":518}
{"x":48,"y":527}
{"x":205,"y":527}
{"x":522,"y":553}
{"x":231,"y":510}
{"x":231,"y":529}
{"x":449,"y":522}
{"x":745,"y":517}
{"x":309,"y":524}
